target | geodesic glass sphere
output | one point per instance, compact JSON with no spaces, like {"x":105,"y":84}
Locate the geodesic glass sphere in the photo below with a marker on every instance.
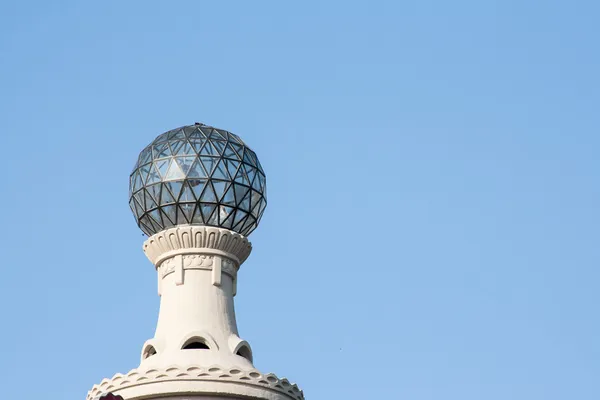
{"x":197,"y":175}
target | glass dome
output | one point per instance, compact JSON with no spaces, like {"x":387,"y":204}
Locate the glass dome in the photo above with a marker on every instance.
{"x":197,"y":175}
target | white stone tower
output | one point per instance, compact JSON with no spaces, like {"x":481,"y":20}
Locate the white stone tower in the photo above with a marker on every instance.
{"x":197,"y":192}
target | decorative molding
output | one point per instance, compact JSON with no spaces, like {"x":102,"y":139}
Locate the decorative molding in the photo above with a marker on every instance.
{"x":216,"y":272}
{"x":194,"y":239}
{"x":252,"y":377}
{"x":229,"y":267}
{"x":167,"y":267}
{"x":198,"y":261}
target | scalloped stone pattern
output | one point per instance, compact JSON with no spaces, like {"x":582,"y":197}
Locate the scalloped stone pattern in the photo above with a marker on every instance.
{"x":253,"y":377}
{"x":197,"y":237}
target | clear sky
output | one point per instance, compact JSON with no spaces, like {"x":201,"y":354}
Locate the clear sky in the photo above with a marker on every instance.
{"x":432,"y":229}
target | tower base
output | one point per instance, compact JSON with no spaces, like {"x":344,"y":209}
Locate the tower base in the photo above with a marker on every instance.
{"x":195,"y":382}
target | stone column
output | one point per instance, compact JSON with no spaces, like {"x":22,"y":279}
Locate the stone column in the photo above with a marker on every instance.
{"x":197,"y":273}
{"x":196,"y":352}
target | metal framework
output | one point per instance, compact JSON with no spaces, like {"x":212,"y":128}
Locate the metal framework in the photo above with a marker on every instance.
{"x":197,"y":175}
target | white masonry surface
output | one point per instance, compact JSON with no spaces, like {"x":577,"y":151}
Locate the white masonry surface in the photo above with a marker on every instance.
{"x":197,"y":278}
{"x":196,"y":191}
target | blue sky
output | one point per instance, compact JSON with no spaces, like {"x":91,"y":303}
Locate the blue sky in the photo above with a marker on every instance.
{"x":432,"y":227}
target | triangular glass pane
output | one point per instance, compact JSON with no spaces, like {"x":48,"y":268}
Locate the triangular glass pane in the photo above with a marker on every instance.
{"x":155,"y":225}
{"x":177,"y":134}
{"x":224,"y":212}
{"x":232,"y":167}
{"x":154,"y":191}
{"x":219,"y":188}
{"x":144,"y":219}
{"x":189,"y":130}
{"x":225,"y":134}
{"x":176,"y":146}
{"x":186,"y":211}
{"x":219,"y":145}
{"x":146,"y":226}
{"x":165,"y":151}
{"x":145,"y":156}
{"x":174,"y":172}
{"x":238,"y":225}
{"x":197,"y":170}
{"x":238,"y":149}
{"x":220,"y":171}
{"x":241,"y":177}
{"x":206,"y":130}
{"x":171,"y":213}
{"x":239,"y":216}
{"x":250,"y":229}
{"x":230,"y":153}
{"x":196,"y":135}
{"x":253,"y":157}
{"x":186,"y":150}
{"x":139,"y":210}
{"x":153,"y":175}
{"x":139,"y":198}
{"x":209,"y":195}
{"x":187,"y":195}
{"x":235,"y":138}
{"x":166,"y":197}
{"x":208,"y":214}
{"x":259,"y":166}
{"x":143,"y":171}
{"x":197,"y":144}
{"x":247,"y":225}
{"x":132,"y":206}
{"x":256,"y":183}
{"x":247,"y":158}
{"x":263,"y":183}
{"x":172,"y":133}
{"x":220,"y":134}
{"x":174,"y":188}
{"x":162,"y":166}
{"x":155,"y":214}
{"x":166,"y":221}
{"x":255,"y":199}
{"x":156,"y":149}
{"x":226,"y":215}
{"x":245,"y":203}
{"x":137,"y":181}
{"x":197,"y":217}
{"x":263,"y":205}
{"x":208,"y":150}
{"x":197,"y":186}
{"x":256,"y":209}
{"x":150,"y":203}
{"x":229,"y":197}
{"x":240,"y":192}
{"x":161,"y":138}
{"x":251,"y":172}
{"x":208,"y":163}
{"x":185,"y":163}
{"x":214,"y":135}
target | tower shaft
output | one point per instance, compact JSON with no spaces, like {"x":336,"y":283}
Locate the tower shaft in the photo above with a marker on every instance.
{"x":196,"y":352}
{"x":197,"y":274}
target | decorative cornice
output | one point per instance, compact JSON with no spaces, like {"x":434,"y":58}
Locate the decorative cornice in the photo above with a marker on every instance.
{"x":192,"y":373}
{"x":197,"y":261}
{"x":194,"y":240}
